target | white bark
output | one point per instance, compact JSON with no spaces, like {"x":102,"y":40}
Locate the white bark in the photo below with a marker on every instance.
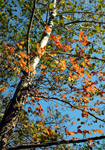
{"x":45,"y":37}
{"x":12,"y":113}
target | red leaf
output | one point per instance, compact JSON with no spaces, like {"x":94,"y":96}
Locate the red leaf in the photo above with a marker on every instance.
{"x":78,"y":127}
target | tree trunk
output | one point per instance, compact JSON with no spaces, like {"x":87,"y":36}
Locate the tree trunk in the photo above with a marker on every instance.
{"x":13,"y":111}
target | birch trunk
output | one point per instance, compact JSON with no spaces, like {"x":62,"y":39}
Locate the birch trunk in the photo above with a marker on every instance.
{"x":13,"y":111}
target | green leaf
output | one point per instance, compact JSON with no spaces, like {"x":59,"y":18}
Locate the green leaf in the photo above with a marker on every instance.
{"x":51,"y":5}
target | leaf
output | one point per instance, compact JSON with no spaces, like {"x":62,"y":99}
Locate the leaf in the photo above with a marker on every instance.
{"x":19,"y":45}
{"x":84,"y":114}
{"x":2,"y":114}
{"x":94,"y":131}
{"x":37,"y":45}
{"x":42,"y":67}
{"x":22,"y":42}
{"x":56,"y":105}
{"x":99,"y":131}
{"x":51,"y":5}
{"x":66,"y":131}
{"x":89,"y":76}
{"x":71,"y":133}
{"x":23,"y":55}
{"x":56,"y":126}
{"x":78,"y":127}
{"x":2,"y":89}
{"x":73,"y":123}
{"x":47,"y":29}
{"x":11,"y":49}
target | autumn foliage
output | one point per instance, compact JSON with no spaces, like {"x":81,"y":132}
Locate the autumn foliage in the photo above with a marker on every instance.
{"x":66,"y":92}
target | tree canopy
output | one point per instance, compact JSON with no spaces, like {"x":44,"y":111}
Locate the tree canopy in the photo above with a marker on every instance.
{"x":52,"y":90}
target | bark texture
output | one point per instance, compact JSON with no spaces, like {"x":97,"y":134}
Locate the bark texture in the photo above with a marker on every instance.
{"x":13,"y":111}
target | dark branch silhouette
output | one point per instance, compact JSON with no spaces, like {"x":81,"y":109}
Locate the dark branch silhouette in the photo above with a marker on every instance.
{"x":56,"y":143}
{"x":83,"y":22}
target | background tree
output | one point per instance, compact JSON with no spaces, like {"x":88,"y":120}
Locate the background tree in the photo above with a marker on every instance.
{"x":52,"y":73}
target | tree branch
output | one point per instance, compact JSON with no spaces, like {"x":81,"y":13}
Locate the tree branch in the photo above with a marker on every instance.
{"x":72,"y":106}
{"x":73,"y":55}
{"x":28,"y":32}
{"x":56,"y":143}
{"x":82,"y":12}
{"x":83,"y":21}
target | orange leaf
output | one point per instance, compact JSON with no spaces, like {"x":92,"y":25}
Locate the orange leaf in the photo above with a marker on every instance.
{"x":37,"y":45}
{"x":89,"y":76}
{"x":56,"y":126}
{"x":94,"y":131}
{"x":102,"y":97}
{"x":58,"y":38}
{"x":42,"y":67}
{"x":73,"y":123}
{"x":85,"y":114}
{"x":71,"y":133}
{"x":19,"y":45}
{"x":56,"y":78}
{"x":66,"y":131}
{"x":69,"y":47}
{"x":47,"y":29}
{"x":84,"y":43}
{"x":23,"y":55}
{"x":11,"y":49}
{"x":99,"y":131}
{"x":22,"y":42}
{"x":63,"y":96}
{"x":2,"y":89}
{"x":81,"y":32}
{"x":80,"y":38}
{"x":101,"y":102}
{"x":85,"y":38}
{"x":92,"y":140}
{"x":56,"y":105}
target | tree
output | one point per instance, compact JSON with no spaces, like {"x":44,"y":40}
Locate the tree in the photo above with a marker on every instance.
{"x":51,"y":51}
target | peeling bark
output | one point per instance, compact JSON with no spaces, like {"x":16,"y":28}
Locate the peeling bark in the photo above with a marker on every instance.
{"x":13,"y":111}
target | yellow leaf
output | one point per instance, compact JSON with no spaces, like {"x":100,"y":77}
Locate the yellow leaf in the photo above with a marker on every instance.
{"x":25,"y":126}
{"x":2,"y":114}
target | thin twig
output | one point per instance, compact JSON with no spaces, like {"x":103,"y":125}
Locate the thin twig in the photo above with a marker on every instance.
{"x":82,"y":12}
{"x":83,"y":21}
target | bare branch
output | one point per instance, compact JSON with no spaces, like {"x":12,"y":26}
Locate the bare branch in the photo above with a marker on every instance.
{"x":76,"y":107}
{"x":83,"y":21}
{"x":56,"y":143}
{"x":28,"y":32}
{"x":72,"y":106}
{"x":73,"y":55}
{"x":80,"y":12}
